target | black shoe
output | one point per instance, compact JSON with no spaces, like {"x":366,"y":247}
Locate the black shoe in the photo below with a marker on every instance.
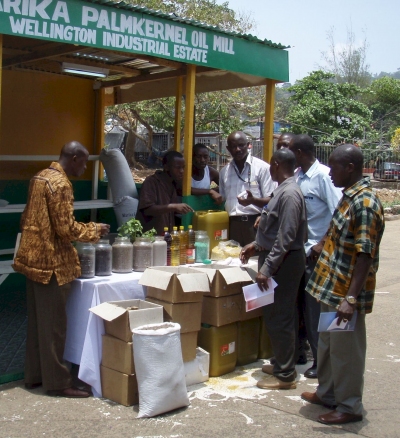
{"x":302,"y":359}
{"x":311,"y":373}
{"x":272,"y":360}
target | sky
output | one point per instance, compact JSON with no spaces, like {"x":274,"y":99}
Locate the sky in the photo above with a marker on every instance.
{"x":303,"y":25}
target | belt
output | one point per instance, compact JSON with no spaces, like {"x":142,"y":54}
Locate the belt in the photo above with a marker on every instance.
{"x":244,"y":217}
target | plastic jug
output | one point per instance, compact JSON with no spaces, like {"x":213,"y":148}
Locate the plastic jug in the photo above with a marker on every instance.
{"x":248,"y":341}
{"x":215,"y":222}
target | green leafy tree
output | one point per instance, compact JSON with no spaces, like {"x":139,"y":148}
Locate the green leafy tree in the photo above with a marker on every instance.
{"x":395,"y":143}
{"x":328,"y":111}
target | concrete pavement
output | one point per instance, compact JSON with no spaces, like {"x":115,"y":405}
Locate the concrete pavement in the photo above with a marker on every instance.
{"x":232,"y":406}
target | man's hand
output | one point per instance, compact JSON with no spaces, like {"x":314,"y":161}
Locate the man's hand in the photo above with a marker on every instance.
{"x":104,"y":229}
{"x":345,"y":311}
{"x":257,"y":222}
{"x":246,"y":201}
{"x":181,"y":208}
{"x":261,"y":280}
{"x":216,"y":197}
{"x":247,"y":252}
{"x":316,"y":250}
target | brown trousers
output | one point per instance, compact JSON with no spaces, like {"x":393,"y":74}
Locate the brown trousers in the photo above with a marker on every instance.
{"x":47,"y":328}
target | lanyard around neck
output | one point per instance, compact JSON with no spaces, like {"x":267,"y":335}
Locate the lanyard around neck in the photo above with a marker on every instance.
{"x":248,"y":173}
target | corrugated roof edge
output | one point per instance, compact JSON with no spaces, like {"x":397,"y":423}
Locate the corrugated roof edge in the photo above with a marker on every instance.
{"x":127,"y":6}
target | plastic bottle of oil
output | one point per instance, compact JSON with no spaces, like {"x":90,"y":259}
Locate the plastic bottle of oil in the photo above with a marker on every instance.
{"x":168,"y":239}
{"x":175,"y":247}
{"x":191,"y":252}
{"x":183,"y":238}
{"x":220,"y":342}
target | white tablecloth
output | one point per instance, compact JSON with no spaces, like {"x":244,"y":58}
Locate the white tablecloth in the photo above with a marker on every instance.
{"x":84,"y":344}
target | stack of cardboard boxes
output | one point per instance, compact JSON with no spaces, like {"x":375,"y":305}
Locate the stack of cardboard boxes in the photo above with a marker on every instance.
{"x":228,"y":333}
{"x":180,"y":291}
{"x":118,"y":379}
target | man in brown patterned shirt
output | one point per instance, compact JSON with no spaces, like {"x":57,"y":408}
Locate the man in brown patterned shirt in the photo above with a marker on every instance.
{"x":49,"y":261}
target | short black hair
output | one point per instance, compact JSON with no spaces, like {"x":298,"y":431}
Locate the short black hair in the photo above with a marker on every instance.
{"x":303,"y":142}
{"x":198,"y":146}
{"x":286,"y":158}
{"x":170,"y":156}
{"x":348,"y":153}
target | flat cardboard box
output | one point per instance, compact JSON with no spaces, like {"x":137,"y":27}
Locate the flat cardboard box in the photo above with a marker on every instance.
{"x":197,"y":370}
{"x":175,"y":284}
{"x":119,"y":387}
{"x":118,"y":355}
{"x":225,"y":310}
{"x":225,"y":280}
{"x":189,"y":345}
{"x":119,"y":322}
{"x":188,"y":315}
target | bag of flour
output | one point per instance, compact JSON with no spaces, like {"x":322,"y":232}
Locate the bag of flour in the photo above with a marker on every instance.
{"x":159,"y":368}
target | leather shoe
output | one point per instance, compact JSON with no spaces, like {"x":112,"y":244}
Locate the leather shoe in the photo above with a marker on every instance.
{"x":272,"y":360}
{"x":302,"y":359}
{"x":311,"y":373}
{"x":274,"y":383}
{"x":336,"y":417}
{"x":311,"y":397}
{"x":33,"y":385}
{"x":268,"y":369}
{"x":69,"y":393}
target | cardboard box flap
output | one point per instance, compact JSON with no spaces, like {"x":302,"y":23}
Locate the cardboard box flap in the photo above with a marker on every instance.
{"x":108,"y":311}
{"x":235,"y":275}
{"x":159,"y":279}
{"x":197,"y":282}
{"x":210,"y":272}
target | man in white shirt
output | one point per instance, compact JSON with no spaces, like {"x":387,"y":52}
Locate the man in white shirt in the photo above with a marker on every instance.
{"x":321,"y":198}
{"x":244,"y":174}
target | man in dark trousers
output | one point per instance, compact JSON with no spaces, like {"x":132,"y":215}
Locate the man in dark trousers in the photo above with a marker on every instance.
{"x":281,"y":235}
{"x":344,"y":282}
{"x":49,"y":261}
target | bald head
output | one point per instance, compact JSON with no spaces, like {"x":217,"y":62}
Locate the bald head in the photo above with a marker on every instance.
{"x":73,"y":148}
{"x":73,"y":158}
{"x":346,"y":154}
{"x":235,"y":136}
{"x":285,"y":157}
{"x":238,"y":146}
{"x":284,"y":140}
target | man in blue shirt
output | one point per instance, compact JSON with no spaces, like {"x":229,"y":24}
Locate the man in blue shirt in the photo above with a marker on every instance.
{"x":321,"y":198}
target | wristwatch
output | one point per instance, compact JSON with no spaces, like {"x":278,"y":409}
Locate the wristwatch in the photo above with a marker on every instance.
{"x":350,"y":299}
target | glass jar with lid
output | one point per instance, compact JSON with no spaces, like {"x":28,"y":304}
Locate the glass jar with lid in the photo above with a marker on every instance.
{"x":142,"y":253}
{"x":86,"y":254}
{"x":202,"y":246}
{"x":159,"y":251}
{"x":103,"y":263}
{"x":122,"y":255}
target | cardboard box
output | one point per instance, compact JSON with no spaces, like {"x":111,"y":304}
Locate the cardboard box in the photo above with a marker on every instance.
{"x":119,"y":321}
{"x":119,"y":387}
{"x":197,"y":370}
{"x":118,"y":355}
{"x":189,"y":345}
{"x":225,"y":310}
{"x":188,"y":315}
{"x":175,"y":284}
{"x":225,"y":280}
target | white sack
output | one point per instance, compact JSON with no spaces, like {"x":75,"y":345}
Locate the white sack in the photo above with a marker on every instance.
{"x":119,"y":175}
{"x":125,"y":208}
{"x":159,"y":368}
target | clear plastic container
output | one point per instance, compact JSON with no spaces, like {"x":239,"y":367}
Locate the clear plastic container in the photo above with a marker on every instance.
{"x":183,"y":245}
{"x":202,"y":246}
{"x":142,"y":253}
{"x":86,"y":254}
{"x":122,"y":255}
{"x":191,"y":252}
{"x":175,"y":247}
{"x":103,"y":251}
{"x":159,"y":251}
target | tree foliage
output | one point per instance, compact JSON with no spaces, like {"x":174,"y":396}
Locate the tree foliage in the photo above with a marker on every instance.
{"x":348,"y":61}
{"x":327,"y":110}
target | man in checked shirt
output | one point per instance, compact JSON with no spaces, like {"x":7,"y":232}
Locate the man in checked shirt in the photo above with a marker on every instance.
{"x":344,"y":281}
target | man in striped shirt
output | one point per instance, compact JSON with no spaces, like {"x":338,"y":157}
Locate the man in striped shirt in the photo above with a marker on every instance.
{"x":344,"y":282}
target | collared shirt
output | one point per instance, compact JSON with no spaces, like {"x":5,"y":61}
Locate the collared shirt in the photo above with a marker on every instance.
{"x":356,"y":227}
{"x":157,"y":189}
{"x":321,"y":198}
{"x":283,"y":225}
{"x":255,"y":177}
{"x":48,"y":228}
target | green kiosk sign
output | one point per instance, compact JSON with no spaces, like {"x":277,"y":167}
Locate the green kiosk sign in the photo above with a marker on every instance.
{"x":114,"y":28}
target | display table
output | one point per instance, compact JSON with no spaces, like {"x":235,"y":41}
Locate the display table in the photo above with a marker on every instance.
{"x":84,"y":343}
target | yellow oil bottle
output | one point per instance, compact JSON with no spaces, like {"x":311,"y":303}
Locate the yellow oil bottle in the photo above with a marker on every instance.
{"x":220,"y":342}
